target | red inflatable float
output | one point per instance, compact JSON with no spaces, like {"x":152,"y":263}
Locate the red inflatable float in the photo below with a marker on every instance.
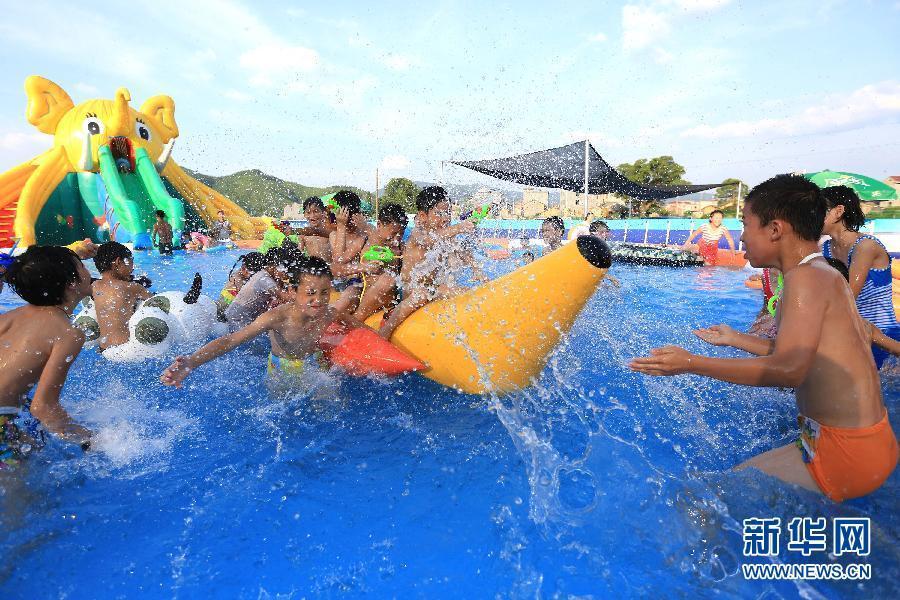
{"x":362,"y":352}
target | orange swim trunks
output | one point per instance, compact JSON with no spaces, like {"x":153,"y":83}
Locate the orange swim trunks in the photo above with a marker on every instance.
{"x":848,"y":462}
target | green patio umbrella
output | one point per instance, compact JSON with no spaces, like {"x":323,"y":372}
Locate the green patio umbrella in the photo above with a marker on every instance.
{"x":867,"y":188}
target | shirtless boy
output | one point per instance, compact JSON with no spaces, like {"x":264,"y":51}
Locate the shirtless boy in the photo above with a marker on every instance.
{"x":846,"y":447}
{"x":116,"y":296}
{"x":294,"y":329}
{"x":426,"y":256}
{"x":314,"y":236}
{"x":382,"y":276}
{"x":347,"y":241}
{"x":552,"y":231}
{"x":38,"y":344}
{"x":162,"y":231}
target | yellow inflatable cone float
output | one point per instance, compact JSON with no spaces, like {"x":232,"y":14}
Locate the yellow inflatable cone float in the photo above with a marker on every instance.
{"x":108,"y":172}
{"x":496,"y":337}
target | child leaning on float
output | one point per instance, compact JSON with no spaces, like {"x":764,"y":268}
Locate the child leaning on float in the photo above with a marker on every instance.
{"x":301,"y":329}
{"x":846,"y":447}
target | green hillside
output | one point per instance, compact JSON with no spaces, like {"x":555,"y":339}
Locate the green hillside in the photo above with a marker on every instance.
{"x":262,"y":194}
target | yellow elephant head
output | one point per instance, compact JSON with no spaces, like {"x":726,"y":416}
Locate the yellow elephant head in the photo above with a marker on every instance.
{"x":81,"y":130}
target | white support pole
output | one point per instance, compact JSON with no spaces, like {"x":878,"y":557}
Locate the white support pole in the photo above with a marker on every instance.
{"x":625,"y":237}
{"x":587,"y":173}
{"x":442,"y":173}
{"x":668,"y":228}
{"x":737,"y":203}
{"x":646,"y":230}
{"x":376,"y":194}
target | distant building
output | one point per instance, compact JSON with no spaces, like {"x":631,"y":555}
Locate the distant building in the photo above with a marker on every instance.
{"x":292,"y":212}
{"x":894,"y":182}
{"x":571,"y":204}
{"x":534,"y":203}
{"x":691,"y":208}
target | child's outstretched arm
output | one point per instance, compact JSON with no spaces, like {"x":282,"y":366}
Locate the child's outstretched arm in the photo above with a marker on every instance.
{"x":803,"y":307}
{"x":176,"y":373}
{"x":730,"y":240}
{"x":45,"y":404}
{"x":723,"y":335}
{"x":691,"y":236}
{"x":466,"y":226}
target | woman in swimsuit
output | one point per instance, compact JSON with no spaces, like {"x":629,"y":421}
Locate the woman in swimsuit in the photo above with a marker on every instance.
{"x":710,"y":234}
{"x":866,"y":258}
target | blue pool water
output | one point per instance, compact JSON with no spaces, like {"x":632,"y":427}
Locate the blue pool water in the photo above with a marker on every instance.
{"x":596,"y":482}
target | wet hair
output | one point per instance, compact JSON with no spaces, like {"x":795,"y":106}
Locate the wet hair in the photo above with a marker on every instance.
{"x":393,"y":213}
{"x":840,"y":195}
{"x":161,"y":214}
{"x":220,"y":212}
{"x":430,"y":197}
{"x":596,"y":226}
{"x":41,"y":274}
{"x":557,"y":222}
{"x":108,"y":253}
{"x":790,"y":198}
{"x":841,"y":267}
{"x":348,"y":200}
{"x":313,"y":202}
{"x":272,"y":257}
{"x":309,"y":265}
{"x":716,"y":211}
{"x":254,"y":261}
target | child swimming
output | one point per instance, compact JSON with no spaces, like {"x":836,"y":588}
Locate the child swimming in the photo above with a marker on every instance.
{"x":250,"y":264}
{"x":294,"y":329}
{"x":553,"y":229}
{"x":321,"y":223}
{"x":258,"y":293}
{"x":347,"y":241}
{"x":38,"y":344}
{"x":162,"y":232}
{"x":116,"y":295}
{"x":846,"y":447}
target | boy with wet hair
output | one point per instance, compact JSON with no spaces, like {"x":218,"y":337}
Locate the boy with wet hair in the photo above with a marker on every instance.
{"x":116,"y":294}
{"x":846,"y":447}
{"x":38,"y":344}
{"x":381,"y":276}
{"x":294,"y":328}
{"x":321,"y":223}
{"x":426,"y":270}
{"x":552,"y":231}
{"x":347,"y":242}
{"x":162,"y":233}
{"x":599,"y":229}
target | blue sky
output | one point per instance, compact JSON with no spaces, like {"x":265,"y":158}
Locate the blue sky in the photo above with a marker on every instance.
{"x":325,"y":93}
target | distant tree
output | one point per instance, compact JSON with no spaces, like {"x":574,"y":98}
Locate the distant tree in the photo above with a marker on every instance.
{"x":726,"y":196}
{"x":662,"y":170}
{"x":402,"y":191}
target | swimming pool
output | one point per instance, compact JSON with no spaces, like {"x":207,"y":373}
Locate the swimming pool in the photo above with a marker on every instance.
{"x":596,"y":482}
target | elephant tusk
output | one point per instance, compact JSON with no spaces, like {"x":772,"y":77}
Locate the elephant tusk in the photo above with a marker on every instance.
{"x":87,"y":156}
{"x":164,"y":156}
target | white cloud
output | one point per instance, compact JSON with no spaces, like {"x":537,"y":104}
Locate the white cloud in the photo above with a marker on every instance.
{"x":20,"y":141}
{"x":661,"y":56}
{"x":868,"y":105}
{"x":643,"y":26}
{"x":271,"y":59}
{"x":597,"y":37}
{"x":394,"y":162}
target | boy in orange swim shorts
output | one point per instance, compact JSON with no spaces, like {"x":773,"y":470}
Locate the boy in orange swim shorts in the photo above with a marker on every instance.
{"x":846,"y":447}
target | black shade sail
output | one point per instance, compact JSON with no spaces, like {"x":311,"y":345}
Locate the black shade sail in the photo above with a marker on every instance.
{"x":563,"y":168}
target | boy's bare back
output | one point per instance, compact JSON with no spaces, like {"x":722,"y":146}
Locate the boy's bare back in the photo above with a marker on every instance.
{"x":116,"y":301}
{"x":33,"y":338}
{"x":841,"y":387}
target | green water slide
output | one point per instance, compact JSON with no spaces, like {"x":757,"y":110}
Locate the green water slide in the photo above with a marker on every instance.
{"x":135,"y":197}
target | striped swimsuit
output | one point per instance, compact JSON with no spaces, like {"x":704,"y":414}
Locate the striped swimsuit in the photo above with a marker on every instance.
{"x":874,"y":301}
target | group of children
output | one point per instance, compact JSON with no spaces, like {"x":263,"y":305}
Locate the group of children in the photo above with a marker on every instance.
{"x":162,"y":236}
{"x":846,"y":447}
